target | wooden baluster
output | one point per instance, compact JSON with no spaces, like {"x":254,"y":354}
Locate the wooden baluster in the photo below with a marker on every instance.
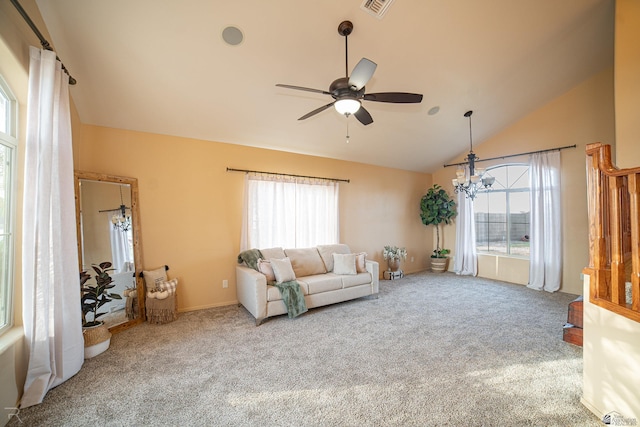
{"x":616,"y":185}
{"x":634,"y":202}
{"x":600,"y":243}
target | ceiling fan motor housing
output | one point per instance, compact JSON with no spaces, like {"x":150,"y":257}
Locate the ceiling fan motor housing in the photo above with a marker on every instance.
{"x":340,"y":89}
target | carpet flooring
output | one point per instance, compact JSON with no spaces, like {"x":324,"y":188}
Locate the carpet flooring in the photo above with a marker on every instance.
{"x":433,"y":349}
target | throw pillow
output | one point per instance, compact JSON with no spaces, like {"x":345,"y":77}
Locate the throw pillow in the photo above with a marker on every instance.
{"x":360,"y":262}
{"x":282,"y":270}
{"x":169,"y":286}
{"x":153,"y":277}
{"x":344,"y":263}
{"x":327,"y":251}
{"x":265,"y":268}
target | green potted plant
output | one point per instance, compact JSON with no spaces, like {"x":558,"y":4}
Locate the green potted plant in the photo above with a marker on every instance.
{"x":393,"y":255}
{"x":436,"y":208}
{"x":93,"y":296}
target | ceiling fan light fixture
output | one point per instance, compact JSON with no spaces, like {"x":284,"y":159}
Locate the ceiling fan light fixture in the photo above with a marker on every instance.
{"x":347,"y":106}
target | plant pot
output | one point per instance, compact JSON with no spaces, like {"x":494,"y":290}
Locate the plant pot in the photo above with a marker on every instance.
{"x":439,"y":265}
{"x":394,"y":264}
{"x":96,"y":340}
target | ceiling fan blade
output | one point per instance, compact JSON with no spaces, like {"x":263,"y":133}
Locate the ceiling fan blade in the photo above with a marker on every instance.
{"x":395,"y":97}
{"x":362,"y":73}
{"x":306,"y":89}
{"x":363,"y":116}
{"x":316,"y":111}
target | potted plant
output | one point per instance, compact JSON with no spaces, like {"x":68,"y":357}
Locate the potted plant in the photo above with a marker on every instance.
{"x":93,"y":296}
{"x":436,"y":208}
{"x":393,"y":255}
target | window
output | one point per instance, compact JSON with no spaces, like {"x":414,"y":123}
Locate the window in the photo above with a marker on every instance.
{"x":290,"y":212}
{"x":8,"y":109}
{"x":503,"y":213}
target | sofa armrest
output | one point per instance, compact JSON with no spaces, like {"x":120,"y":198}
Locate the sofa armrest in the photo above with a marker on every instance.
{"x":373,"y":268}
{"x":251,"y":290}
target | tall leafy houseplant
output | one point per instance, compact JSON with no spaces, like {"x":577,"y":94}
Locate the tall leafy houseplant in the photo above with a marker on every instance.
{"x":436,"y":208}
{"x":94,"y":296}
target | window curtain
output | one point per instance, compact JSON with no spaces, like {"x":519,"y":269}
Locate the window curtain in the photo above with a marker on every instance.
{"x":466,"y":257}
{"x":120,"y":248}
{"x":289,"y":212}
{"x":51,"y":289}
{"x":545,"y":259}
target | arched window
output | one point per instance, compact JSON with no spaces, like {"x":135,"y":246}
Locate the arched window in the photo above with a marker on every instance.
{"x":8,"y":143}
{"x":503,"y":213}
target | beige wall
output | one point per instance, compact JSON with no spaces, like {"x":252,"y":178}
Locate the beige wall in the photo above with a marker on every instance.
{"x":581,"y":116}
{"x":612,"y":342}
{"x":191,"y":207}
{"x":627,"y":83}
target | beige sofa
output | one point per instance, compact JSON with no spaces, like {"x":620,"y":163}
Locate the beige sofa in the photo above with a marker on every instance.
{"x":314,"y":271}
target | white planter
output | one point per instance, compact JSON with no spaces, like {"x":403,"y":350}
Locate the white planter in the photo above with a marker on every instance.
{"x":96,"y":349}
{"x":96,"y":340}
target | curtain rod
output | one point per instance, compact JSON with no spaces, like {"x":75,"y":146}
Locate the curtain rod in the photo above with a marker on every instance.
{"x":514,"y":155}
{"x":288,"y":174}
{"x":45,"y":44}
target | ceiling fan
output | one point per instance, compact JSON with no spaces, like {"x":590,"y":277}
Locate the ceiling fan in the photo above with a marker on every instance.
{"x":349,"y":92}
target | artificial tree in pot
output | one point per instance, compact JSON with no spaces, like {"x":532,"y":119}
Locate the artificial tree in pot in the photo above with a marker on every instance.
{"x":436,"y":208}
{"x":93,"y":296}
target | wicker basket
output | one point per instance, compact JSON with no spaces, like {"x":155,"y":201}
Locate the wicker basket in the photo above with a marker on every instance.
{"x":95,"y":334}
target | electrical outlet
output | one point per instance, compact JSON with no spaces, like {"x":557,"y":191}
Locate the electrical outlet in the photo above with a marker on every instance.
{"x":411,"y":259}
{"x":225,"y":283}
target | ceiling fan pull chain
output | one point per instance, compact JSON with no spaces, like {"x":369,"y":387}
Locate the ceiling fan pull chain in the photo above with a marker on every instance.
{"x":347,"y":129}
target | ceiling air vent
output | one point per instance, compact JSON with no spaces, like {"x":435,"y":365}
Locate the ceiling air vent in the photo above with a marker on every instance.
{"x":376,"y":8}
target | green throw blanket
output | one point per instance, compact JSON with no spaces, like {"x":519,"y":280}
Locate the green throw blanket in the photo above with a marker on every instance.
{"x":250,"y":257}
{"x":293,"y":298}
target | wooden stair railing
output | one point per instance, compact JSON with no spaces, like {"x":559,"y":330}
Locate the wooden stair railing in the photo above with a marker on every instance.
{"x":614,"y":233}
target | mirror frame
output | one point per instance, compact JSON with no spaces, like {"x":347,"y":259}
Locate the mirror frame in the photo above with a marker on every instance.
{"x":135,"y":220}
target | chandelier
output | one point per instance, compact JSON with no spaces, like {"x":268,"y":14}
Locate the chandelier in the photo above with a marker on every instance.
{"x":121,"y":220}
{"x":470,"y":181}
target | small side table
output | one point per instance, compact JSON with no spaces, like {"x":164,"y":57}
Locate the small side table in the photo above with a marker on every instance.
{"x":392,"y":275}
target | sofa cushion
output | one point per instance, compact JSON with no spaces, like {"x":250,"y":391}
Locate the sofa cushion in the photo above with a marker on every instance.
{"x":305,"y":262}
{"x":322,"y":283}
{"x":344,"y":263}
{"x":326,"y":253}
{"x":273,"y":293}
{"x":269,"y":253}
{"x":282,"y":270}
{"x":358,"y":279}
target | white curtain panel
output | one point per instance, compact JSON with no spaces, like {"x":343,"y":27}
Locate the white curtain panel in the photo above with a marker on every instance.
{"x":288,"y":212}
{"x":120,"y":248}
{"x":51,"y":289}
{"x":466,"y":257}
{"x":545,"y":259}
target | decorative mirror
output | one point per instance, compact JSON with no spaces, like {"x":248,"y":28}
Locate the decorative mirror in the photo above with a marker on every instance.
{"x":108,"y":226}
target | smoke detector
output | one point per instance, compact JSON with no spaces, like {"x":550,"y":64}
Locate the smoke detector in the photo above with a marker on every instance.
{"x":376,"y":8}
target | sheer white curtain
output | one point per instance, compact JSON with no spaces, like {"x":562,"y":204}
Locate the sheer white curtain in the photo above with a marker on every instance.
{"x":289,"y":212}
{"x":51,"y":288}
{"x":466,"y":258}
{"x":120,"y":248}
{"x":545,"y":259}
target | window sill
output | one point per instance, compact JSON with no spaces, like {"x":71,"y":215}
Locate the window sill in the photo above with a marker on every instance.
{"x":11,"y":337}
{"x":524,"y":258}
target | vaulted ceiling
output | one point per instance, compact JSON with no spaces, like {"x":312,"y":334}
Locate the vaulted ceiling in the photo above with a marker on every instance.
{"x":163,"y":67}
